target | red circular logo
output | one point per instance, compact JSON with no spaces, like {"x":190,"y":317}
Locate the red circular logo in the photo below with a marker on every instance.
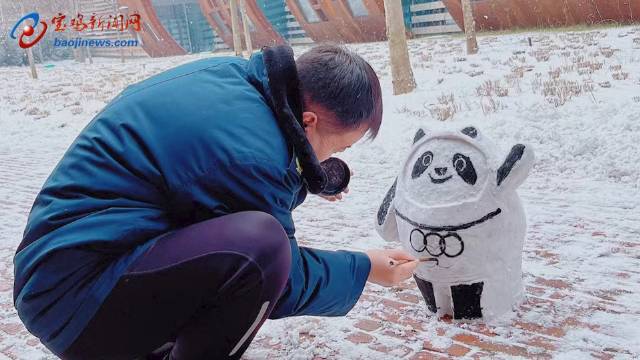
{"x":28,"y":30}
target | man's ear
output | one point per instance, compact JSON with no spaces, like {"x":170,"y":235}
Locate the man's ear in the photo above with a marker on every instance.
{"x":515,"y":168}
{"x":309,"y":119}
{"x":386,"y":218}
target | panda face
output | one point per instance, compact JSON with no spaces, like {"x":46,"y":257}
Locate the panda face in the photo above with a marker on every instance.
{"x":461,"y":163}
{"x":444,"y":170}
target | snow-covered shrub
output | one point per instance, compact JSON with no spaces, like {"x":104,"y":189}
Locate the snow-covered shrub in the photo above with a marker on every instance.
{"x":542,"y":55}
{"x":490,"y":88}
{"x":559,"y":91}
{"x":620,"y":75}
{"x":446,"y":107}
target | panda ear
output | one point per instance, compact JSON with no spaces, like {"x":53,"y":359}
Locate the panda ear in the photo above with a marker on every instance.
{"x":515,"y":168}
{"x":419,"y":135}
{"x":470,"y":131}
{"x":386,"y":224}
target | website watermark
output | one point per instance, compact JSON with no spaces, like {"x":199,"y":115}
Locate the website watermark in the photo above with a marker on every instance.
{"x":94,"y":43}
{"x":25,"y":28}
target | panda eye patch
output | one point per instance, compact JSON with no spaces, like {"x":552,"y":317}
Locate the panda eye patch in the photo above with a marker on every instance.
{"x":427,"y":158}
{"x":464,"y":168}
{"x":460,"y":164}
{"x":422,"y":164}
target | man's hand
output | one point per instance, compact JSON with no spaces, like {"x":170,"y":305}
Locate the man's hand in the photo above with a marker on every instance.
{"x":390,"y":267}
{"x":336,"y":197}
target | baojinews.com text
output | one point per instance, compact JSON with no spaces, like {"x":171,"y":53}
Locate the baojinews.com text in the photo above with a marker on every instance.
{"x":80,"y":42}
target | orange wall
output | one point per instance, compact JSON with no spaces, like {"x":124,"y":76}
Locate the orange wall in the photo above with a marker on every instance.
{"x":507,"y":14}
{"x":156,"y":40}
{"x":340,"y":24}
{"x":263,"y":35}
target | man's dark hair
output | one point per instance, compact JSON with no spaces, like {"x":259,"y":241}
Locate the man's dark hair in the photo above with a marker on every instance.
{"x":343,"y":83}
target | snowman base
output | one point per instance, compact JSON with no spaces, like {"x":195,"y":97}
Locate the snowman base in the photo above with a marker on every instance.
{"x":465,"y":299}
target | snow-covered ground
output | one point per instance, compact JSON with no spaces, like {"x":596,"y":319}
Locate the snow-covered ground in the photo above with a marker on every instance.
{"x":573,"y":96}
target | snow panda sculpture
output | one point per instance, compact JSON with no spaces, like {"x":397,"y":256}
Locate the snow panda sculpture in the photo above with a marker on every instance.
{"x":454,"y":206}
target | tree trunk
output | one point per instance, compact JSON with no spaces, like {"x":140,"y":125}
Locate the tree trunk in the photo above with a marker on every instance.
{"x":401,"y":73}
{"x":469,"y":27}
{"x":89,"y":55}
{"x":247,"y":31}
{"x":117,"y":11}
{"x":32,"y":64}
{"x":77,"y":51}
{"x":40,"y":54}
{"x":235,"y":27}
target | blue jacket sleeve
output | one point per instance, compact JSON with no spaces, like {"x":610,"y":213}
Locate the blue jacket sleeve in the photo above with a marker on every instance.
{"x":321,"y":282}
{"x":326,"y":283}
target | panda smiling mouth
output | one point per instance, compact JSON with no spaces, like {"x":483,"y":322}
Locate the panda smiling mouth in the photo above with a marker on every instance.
{"x":441,"y":180}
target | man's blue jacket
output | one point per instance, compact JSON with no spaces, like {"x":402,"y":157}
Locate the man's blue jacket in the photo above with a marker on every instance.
{"x":193,"y":143}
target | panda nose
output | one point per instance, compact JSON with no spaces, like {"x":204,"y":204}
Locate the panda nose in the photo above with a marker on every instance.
{"x":441,"y":170}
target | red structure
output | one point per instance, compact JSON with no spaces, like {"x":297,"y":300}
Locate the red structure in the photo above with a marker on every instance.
{"x":507,"y":14}
{"x":156,"y":41}
{"x":219,"y":16}
{"x":340,"y":20}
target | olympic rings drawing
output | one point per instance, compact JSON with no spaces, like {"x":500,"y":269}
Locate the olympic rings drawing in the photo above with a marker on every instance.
{"x":449,"y":245}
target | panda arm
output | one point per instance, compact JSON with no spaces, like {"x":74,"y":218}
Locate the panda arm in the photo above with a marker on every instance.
{"x":386,"y":224}
{"x":515,"y":168}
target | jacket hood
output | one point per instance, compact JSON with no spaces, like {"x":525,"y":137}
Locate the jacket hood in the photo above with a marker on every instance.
{"x":273,"y":72}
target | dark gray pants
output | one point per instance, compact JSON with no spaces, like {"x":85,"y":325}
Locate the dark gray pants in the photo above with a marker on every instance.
{"x":206,"y":288}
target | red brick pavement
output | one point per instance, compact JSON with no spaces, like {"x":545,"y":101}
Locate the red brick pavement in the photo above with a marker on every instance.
{"x":396,"y":328}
